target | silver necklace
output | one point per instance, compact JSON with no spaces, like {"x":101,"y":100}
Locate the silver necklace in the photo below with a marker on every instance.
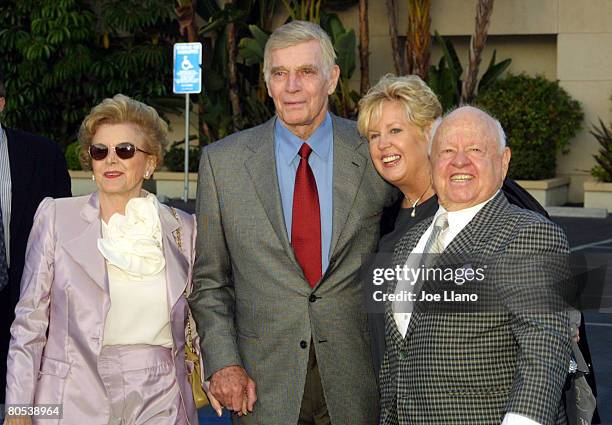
{"x":414,"y":205}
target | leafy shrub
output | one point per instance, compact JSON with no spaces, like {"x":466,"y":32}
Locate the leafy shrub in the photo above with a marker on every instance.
{"x":72,"y":156}
{"x":445,"y":78}
{"x":539,"y":118}
{"x":603,"y":170}
{"x":61,"y":57}
{"x":174,"y":159}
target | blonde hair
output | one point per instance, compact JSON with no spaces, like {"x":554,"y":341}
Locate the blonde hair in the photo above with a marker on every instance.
{"x":420,"y":103}
{"x":294,"y":33}
{"x":121,"y":109}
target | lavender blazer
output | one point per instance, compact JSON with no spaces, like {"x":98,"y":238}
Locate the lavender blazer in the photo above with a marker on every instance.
{"x":64,"y":293}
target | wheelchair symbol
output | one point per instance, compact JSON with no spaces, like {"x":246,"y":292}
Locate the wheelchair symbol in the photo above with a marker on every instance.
{"x":186,"y":64}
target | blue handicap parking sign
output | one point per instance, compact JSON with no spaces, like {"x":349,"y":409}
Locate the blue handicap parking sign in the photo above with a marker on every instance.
{"x":187,"y":68}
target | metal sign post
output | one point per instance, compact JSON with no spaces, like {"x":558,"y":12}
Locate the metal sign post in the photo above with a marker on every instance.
{"x":187,"y":79}
{"x":186,"y":177}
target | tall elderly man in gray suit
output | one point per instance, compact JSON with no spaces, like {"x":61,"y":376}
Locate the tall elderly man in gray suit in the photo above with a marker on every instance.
{"x":286,"y":211}
{"x":505,"y":365}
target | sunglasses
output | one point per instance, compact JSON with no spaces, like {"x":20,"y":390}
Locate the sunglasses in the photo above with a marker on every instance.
{"x":124,"y":150}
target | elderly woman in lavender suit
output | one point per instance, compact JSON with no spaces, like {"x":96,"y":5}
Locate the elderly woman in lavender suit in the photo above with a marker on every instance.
{"x":100,"y":325}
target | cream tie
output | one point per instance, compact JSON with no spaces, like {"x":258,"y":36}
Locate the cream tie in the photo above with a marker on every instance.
{"x":435,"y":243}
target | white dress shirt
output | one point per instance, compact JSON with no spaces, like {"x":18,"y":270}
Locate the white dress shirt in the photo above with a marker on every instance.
{"x":457,"y":220}
{"x":5,"y":193}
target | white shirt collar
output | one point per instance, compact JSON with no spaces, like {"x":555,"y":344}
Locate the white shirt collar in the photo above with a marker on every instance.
{"x":457,"y":220}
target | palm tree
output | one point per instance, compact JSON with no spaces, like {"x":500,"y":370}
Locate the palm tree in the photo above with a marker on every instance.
{"x":417,"y":48}
{"x":391,"y":16}
{"x":415,"y":59}
{"x":484,"y":10}
{"x":364,"y":47}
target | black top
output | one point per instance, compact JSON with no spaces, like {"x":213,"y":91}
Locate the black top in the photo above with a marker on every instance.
{"x":404,"y":221}
{"x":38,"y":170}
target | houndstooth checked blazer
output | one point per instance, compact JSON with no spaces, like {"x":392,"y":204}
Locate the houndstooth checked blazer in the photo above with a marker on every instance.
{"x":474,"y":368}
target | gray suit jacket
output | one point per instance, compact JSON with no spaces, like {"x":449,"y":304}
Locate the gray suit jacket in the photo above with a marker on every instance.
{"x":473,"y":368}
{"x":251,"y":301}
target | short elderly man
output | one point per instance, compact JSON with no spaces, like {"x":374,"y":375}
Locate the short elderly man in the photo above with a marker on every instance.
{"x":286,"y":211}
{"x":488,"y":367}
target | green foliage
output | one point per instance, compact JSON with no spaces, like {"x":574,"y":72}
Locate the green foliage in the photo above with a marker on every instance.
{"x":133,"y":16}
{"x":539,"y":118}
{"x":344,"y":42}
{"x":344,"y":100}
{"x":603,"y":170}
{"x":303,"y":10}
{"x":214,"y":103}
{"x":60,"y":58}
{"x":251,"y":50}
{"x":72,"y":156}
{"x":174,"y":159}
{"x":445,"y":78}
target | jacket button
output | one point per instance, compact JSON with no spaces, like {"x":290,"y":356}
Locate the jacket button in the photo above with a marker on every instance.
{"x":303,"y":344}
{"x":312,"y":298}
{"x":403,"y":355}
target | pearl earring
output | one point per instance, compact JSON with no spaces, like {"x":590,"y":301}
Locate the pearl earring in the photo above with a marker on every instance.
{"x":93,"y":177}
{"x":147,"y":175}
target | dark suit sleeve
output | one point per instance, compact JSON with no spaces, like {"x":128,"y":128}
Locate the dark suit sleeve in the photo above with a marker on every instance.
{"x":520,"y":197}
{"x":61,"y":182}
{"x":536,"y":274}
{"x":212,"y":299}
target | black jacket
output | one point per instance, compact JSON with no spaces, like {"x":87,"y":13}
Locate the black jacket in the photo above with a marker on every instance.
{"x":38,"y":170}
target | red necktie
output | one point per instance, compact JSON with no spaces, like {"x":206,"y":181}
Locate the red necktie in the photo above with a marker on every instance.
{"x":306,"y":220}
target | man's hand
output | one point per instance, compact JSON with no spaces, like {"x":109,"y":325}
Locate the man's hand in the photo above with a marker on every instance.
{"x":232,"y":387}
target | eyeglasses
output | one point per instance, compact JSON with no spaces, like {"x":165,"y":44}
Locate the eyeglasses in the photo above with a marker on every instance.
{"x":124,"y":150}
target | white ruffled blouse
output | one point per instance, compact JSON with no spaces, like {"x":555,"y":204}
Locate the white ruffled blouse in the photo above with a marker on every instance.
{"x":133,"y":242}
{"x":132,"y":246}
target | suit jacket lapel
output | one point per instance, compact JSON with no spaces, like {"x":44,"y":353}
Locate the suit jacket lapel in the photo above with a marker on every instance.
{"x":349,"y":168}
{"x":22,"y":170}
{"x":470,"y":239}
{"x":261,"y":166}
{"x":176,"y":260}
{"x":84,"y":248}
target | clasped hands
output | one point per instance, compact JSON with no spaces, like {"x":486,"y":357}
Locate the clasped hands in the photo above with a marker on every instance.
{"x":233,"y":389}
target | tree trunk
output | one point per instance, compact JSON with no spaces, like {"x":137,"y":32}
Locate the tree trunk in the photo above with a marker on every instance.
{"x":417,"y":48}
{"x":185,"y":13}
{"x":364,"y":47}
{"x":477,"y":45}
{"x":233,"y":76}
{"x":397,"y":60}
